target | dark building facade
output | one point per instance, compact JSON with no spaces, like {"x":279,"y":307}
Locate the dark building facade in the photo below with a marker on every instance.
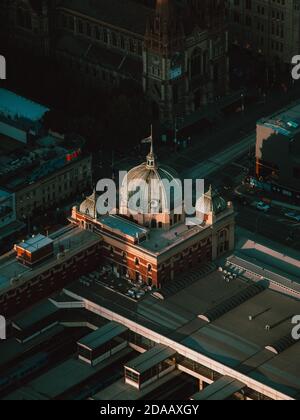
{"x":278,"y":154}
{"x":177,"y":50}
{"x":268,"y":28}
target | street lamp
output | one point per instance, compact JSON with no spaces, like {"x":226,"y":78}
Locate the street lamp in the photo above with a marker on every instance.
{"x":177,"y":119}
{"x":243,"y":102}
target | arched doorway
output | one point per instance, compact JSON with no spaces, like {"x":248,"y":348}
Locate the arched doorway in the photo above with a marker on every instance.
{"x":153,"y":224}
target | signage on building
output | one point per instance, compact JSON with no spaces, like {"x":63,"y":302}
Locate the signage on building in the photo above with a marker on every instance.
{"x":2,"y":328}
{"x":175,"y":73}
{"x":176,"y":66}
{"x":2,"y":68}
{"x":73,"y":156}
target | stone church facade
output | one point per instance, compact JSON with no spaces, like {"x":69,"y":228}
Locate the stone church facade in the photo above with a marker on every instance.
{"x":176,"y":50}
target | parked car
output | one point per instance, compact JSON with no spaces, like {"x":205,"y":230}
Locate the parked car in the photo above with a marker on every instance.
{"x":261,"y":206}
{"x":242,"y":200}
{"x":293,"y":216}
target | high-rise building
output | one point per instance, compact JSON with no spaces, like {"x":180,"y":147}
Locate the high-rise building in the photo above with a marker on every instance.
{"x":176,"y":49}
{"x":270,"y":28}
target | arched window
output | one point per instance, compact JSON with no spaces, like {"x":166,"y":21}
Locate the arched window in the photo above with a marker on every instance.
{"x":137,"y":262}
{"x":149,"y":268}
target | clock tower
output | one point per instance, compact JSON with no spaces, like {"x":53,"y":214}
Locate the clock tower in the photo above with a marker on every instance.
{"x":164,"y":74}
{"x":185,"y":57}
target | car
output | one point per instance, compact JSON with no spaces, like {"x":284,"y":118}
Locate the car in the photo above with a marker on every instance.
{"x":261,"y":206}
{"x":242,"y":200}
{"x":293,"y":216}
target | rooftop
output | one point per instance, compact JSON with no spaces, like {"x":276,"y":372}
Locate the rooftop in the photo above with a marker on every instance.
{"x":16,"y":107}
{"x":120,"y":391}
{"x":150,"y":359}
{"x":22,"y":164}
{"x":70,"y":238}
{"x":35,"y":243}
{"x":286,"y":123}
{"x":56,"y":381}
{"x":105,"y":11}
{"x":32,"y":316}
{"x":231,"y":339}
{"x":223,"y":388}
{"x":103,"y":335}
{"x":156,"y":240}
{"x":120,"y":225}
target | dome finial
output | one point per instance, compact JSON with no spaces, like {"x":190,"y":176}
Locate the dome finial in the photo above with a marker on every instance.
{"x":151,"y":156}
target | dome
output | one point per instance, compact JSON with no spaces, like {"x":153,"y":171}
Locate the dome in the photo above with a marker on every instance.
{"x":213,"y":202}
{"x":88,"y":206}
{"x":150,"y":190}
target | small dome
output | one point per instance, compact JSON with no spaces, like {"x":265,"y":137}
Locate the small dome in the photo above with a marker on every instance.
{"x":213,"y":202}
{"x":88,"y":206}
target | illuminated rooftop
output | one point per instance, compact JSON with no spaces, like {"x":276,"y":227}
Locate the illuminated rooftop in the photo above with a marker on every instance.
{"x":286,"y":123}
{"x":70,"y":239}
{"x":15,"y":107}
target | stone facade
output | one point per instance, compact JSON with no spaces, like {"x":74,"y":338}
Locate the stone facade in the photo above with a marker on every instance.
{"x":178,"y":50}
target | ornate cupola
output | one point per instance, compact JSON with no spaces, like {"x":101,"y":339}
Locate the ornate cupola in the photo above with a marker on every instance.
{"x":151,"y":158}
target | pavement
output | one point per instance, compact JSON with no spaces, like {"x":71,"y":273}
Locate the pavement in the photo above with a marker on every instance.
{"x":209,"y":166}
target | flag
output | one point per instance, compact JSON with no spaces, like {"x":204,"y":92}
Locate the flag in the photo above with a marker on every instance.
{"x":147,"y":140}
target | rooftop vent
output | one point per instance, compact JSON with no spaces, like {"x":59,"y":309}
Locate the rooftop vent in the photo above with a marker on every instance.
{"x":232,"y":303}
{"x":282,"y":344}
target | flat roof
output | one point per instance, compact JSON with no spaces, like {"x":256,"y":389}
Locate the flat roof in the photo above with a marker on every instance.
{"x":231,"y":340}
{"x":157,"y":240}
{"x":11,"y":349}
{"x":102,"y":336}
{"x":57,"y":380}
{"x":32,"y":316}
{"x":160,"y":240}
{"x":150,"y":358}
{"x":120,"y":391}
{"x":18,"y":107}
{"x":286,"y":123}
{"x":120,"y":225}
{"x":71,"y":238}
{"x":220,"y":390}
{"x":35,"y":243}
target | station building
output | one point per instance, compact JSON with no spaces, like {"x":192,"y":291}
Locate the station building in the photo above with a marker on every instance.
{"x":157,"y":244}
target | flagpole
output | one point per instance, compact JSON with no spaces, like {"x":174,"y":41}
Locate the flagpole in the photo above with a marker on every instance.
{"x":151,"y":136}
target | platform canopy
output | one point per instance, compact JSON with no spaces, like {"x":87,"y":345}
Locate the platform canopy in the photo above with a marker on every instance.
{"x":220,"y":390}
{"x":102,"y":336}
{"x":150,"y":359}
